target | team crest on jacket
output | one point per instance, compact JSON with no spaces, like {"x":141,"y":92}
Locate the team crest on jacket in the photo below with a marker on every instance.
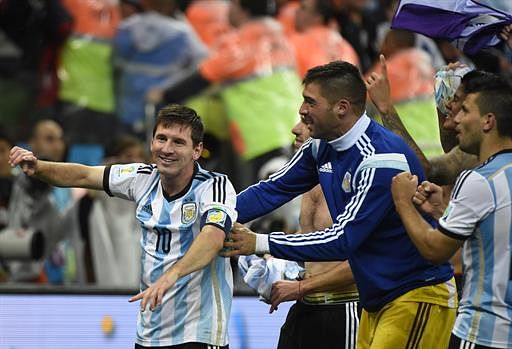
{"x":345,"y":185}
{"x":188,"y":212}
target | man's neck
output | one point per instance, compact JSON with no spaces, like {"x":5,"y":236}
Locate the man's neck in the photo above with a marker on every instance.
{"x":488,"y":150}
{"x":173,"y":185}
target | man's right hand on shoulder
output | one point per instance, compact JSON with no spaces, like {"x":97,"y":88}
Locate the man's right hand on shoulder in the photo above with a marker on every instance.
{"x":24,"y":158}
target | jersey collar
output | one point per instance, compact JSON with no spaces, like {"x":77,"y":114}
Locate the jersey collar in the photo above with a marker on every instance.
{"x":350,"y":138}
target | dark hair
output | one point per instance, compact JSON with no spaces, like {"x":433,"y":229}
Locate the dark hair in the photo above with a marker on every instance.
{"x":176,"y":114}
{"x":495,"y":96}
{"x":136,"y":4}
{"x":325,"y":9}
{"x":259,"y":7}
{"x":339,"y":79}
{"x":477,"y":80}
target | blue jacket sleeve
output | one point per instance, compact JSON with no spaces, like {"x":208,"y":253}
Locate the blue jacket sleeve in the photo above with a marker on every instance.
{"x":294,"y":178}
{"x":368,"y":207}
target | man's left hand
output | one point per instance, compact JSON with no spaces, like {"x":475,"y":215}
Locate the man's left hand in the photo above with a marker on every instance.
{"x":154,"y":295}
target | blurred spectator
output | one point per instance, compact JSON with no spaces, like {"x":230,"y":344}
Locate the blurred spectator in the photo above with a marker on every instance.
{"x":33,"y":205}
{"x":151,"y":49}
{"x":31,"y":34}
{"x":86,"y":80}
{"x":315,"y":42}
{"x":256,"y":66}
{"x":286,"y":12}
{"x":6,"y":176}
{"x":209,"y":18}
{"x":130,"y":7}
{"x":358,"y":25}
{"x":6,"y":181}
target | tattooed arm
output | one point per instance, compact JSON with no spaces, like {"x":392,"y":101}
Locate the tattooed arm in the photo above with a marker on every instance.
{"x":445,"y":168}
{"x":379,"y":92}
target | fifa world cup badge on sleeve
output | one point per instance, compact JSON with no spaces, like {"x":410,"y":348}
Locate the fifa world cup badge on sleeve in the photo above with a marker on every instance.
{"x":216,"y":217}
{"x":188,"y":212}
{"x":125,"y":171}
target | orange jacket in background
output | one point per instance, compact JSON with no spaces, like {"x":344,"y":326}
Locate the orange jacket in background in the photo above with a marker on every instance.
{"x":209,"y":18}
{"x":321,"y":45}
{"x":257,"y":47}
{"x":286,"y":16}
{"x":94,"y":17}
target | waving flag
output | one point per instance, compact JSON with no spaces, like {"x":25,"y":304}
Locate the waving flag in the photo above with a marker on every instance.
{"x":469,"y":24}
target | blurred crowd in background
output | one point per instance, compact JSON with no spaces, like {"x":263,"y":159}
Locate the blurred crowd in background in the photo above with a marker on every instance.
{"x":81,"y":81}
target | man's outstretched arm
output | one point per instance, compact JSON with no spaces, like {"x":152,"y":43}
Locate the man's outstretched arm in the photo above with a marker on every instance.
{"x":57,"y":173}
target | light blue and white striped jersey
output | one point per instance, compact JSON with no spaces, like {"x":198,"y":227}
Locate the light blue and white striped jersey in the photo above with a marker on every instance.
{"x":197,"y":307}
{"x":480,"y":212}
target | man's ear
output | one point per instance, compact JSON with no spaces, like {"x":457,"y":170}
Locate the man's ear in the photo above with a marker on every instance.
{"x":198,"y":150}
{"x":489,"y":122}
{"x":342,"y":106}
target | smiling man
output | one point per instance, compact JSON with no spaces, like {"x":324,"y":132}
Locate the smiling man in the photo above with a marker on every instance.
{"x":407,"y":302}
{"x":184,"y":212}
{"x":477,"y":217}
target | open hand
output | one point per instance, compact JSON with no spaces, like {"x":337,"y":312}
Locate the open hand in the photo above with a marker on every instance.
{"x":154,"y":295}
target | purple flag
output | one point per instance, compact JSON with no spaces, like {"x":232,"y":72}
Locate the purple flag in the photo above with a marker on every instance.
{"x":469,"y":24}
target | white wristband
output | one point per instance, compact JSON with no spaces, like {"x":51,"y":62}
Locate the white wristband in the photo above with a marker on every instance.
{"x":262,"y":246}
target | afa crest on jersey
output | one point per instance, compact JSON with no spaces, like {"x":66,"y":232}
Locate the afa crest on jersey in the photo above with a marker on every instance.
{"x":345,"y":185}
{"x":188,"y":212}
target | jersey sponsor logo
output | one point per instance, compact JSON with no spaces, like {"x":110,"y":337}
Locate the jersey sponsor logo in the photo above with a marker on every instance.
{"x":188,"y":212}
{"x":327,"y":167}
{"x":345,"y":185}
{"x":216,"y":216}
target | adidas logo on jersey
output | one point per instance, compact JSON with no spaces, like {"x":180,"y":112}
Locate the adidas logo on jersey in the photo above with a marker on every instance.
{"x":327,"y":167}
{"x":147,"y":208}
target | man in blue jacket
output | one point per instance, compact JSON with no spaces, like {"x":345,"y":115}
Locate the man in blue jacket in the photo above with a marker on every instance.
{"x":408,"y":302}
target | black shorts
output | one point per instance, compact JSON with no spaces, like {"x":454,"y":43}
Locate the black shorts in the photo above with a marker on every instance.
{"x":185,"y":346}
{"x":329,"y":326}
